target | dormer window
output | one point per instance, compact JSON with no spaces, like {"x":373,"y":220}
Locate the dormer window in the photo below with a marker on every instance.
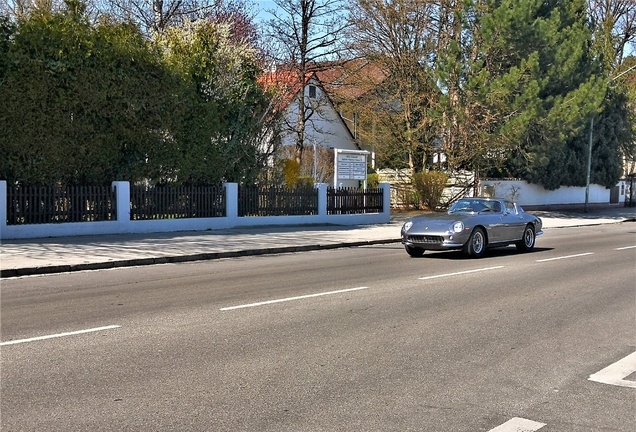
{"x":312,"y":91}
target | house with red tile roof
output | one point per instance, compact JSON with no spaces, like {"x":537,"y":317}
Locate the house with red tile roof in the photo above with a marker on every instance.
{"x":325,"y":129}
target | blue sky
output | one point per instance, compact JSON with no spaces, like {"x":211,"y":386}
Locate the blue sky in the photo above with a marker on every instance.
{"x":261,"y":7}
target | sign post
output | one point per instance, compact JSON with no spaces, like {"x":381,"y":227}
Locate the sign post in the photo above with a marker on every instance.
{"x":350,"y":165}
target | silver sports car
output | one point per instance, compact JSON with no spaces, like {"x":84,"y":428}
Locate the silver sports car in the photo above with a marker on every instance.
{"x":472,"y":225}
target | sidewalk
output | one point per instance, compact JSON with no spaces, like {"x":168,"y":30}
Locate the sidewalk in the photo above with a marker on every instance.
{"x":65,"y":254}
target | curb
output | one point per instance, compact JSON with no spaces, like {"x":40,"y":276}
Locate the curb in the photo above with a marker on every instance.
{"x":33,"y":271}
{"x":629,"y":219}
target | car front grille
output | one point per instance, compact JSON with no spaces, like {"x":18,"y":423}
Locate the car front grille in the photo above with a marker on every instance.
{"x":430,"y":239}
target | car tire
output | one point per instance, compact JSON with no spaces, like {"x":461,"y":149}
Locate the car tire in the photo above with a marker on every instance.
{"x":476,"y":246}
{"x":414,"y":252}
{"x":526,"y":244}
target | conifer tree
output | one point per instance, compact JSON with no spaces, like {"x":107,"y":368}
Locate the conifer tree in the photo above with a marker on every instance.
{"x":524,"y":73}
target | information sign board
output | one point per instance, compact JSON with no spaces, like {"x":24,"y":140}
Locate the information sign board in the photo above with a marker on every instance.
{"x":350,"y":165}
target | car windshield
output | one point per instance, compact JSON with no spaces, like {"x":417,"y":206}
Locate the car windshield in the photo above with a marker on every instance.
{"x":475,"y":206}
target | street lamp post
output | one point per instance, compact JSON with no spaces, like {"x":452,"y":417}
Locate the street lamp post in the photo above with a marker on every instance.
{"x":589,"y":168}
{"x":589,"y":150}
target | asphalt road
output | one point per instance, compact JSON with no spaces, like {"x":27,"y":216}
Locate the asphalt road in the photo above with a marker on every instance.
{"x":359,"y":339}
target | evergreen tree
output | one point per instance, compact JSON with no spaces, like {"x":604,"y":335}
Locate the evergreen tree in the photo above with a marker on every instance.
{"x":89,"y":103}
{"x":523,"y":73}
{"x":81,"y":104}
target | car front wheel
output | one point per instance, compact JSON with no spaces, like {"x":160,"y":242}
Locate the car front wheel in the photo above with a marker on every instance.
{"x":414,"y":251}
{"x":476,"y":246}
{"x":526,"y":243}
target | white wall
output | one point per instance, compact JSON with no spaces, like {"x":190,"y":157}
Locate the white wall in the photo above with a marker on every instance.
{"x":535,"y":195}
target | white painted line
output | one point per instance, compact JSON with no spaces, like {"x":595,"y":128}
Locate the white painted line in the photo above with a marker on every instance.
{"x":73,"y":333}
{"x":291,"y":299}
{"x":518,"y":424}
{"x":627,"y":247}
{"x":461,"y":273}
{"x":566,"y":257}
{"x":615,"y":373}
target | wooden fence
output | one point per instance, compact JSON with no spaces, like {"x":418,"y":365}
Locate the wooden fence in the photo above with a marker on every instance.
{"x":176,"y":202}
{"x":354,"y":201}
{"x":42,"y":205}
{"x":275,"y":201}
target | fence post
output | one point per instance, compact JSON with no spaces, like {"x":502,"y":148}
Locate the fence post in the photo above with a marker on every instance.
{"x":123,"y":200}
{"x":231,"y":201}
{"x":3,"y":206}
{"x":322,"y":199}
{"x":386,"y":200}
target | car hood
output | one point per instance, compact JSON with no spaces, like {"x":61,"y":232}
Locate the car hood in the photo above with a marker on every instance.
{"x":438,"y":222}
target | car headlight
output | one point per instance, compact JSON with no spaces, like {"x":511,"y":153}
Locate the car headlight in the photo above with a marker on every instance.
{"x":458,"y":227}
{"x":407,"y":226}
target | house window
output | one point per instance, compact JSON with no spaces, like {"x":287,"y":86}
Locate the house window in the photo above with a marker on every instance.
{"x":312,"y":91}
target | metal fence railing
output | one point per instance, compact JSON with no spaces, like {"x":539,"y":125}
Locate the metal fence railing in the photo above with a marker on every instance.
{"x":41,"y":205}
{"x":354,"y":201}
{"x":167,"y":202}
{"x":276,"y":201}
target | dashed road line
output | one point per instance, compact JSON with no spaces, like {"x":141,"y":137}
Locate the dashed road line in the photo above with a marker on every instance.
{"x":518,"y":424}
{"x":615,"y":373}
{"x":460,"y":273}
{"x":291,"y":299}
{"x":59,"y":335}
{"x":626,"y":247}
{"x":566,"y":257}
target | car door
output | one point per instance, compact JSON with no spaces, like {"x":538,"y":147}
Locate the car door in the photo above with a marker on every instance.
{"x":493,"y":220}
{"x":513,"y":222}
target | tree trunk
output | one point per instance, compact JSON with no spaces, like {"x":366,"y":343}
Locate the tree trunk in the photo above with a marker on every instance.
{"x":300,"y":128}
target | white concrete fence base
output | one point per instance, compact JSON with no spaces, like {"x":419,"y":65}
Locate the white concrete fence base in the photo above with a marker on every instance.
{"x":534,"y":195}
{"x":123,"y":224}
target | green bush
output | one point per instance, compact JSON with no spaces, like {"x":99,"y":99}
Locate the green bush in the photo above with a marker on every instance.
{"x":373,"y":181}
{"x":304,"y":181}
{"x":291,"y":171}
{"x":430,"y":186}
{"x":86,"y":102}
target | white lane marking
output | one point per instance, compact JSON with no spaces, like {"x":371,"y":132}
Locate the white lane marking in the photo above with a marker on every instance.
{"x":461,"y":273}
{"x":73,"y":333}
{"x":518,"y":424}
{"x":615,"y":373}
{"x":566,"y":257}
{"x":626,"y":247}
{"x":291,"y":299}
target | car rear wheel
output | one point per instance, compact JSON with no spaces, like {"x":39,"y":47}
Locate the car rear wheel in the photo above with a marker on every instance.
{"x":526,"y":243}
{"x":414,"y":251}
{"x":476,"y":246}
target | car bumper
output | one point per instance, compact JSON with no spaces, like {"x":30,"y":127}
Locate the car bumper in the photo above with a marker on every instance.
{"x":442,"y":241}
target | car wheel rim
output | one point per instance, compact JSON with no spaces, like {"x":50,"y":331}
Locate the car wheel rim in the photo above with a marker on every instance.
{"x":529,"y":238}
{"x":478,"y":242}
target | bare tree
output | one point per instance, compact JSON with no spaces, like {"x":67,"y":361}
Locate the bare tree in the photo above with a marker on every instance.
{"x":240,"y":16}
{"x":304,"y":35}
{"x":400,"y":39}
{"x":155,"y":16}
{"x":615,"y":29}
{"x":23,"y":8}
